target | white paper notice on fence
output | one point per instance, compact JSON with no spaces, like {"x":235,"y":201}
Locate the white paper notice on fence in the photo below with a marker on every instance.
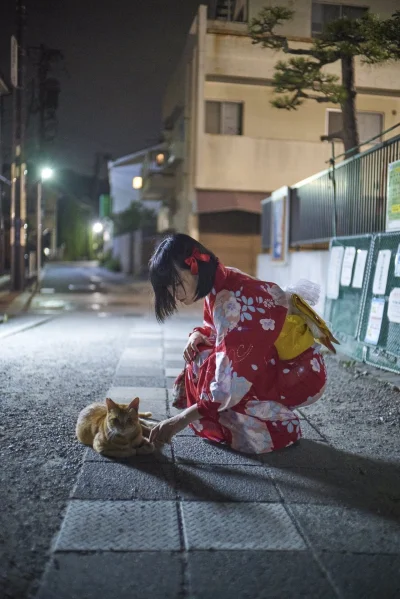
{"x":334,"y":270}
{"x":359,"y":270}
{"x":394,"y":305}
{"x":375,"y":320}
{"x":347,"y":268}
{"x":381,"y":272}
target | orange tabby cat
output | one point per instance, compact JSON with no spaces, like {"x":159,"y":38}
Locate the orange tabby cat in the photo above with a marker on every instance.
{"x":114,"y":429}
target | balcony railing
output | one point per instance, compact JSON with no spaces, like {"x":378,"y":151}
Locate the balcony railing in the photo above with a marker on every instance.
{"x":228,"y":10}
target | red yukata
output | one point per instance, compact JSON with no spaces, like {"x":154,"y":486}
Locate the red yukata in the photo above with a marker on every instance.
{"x":244,"y":392}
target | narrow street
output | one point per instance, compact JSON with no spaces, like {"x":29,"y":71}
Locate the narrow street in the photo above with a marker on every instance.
{"x":320,"y":519}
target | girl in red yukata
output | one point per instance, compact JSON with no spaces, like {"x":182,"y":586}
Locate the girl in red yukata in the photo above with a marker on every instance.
{"x":254,"y":360}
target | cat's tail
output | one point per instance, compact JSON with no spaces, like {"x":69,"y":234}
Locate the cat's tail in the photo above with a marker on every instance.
{"x":145,"y":414}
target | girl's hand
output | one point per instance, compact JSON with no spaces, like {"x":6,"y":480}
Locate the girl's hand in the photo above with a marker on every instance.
{"x":191,"y":350}
{"x":165,"y":430}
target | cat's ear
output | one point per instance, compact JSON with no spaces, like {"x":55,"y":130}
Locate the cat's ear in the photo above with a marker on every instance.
{"x":134,"y":404}
{"x":111,"y":405}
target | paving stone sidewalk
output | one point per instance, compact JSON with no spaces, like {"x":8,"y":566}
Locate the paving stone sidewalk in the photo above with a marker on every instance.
{"x":200,"y":521}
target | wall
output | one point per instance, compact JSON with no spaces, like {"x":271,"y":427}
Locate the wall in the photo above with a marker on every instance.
{"x":248,"y":164}
{"x":277,"y":147}
{"x":301,"y":265}
{"x":239,"y":251}
{"x":122,"y":249}
{"x":121,"y":189}
{"x":301,"y":24}
{"x":234,"y":56}
{"x":308,"y":123}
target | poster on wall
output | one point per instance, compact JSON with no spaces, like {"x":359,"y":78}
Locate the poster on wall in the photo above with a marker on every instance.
{"x":359,"y":269}
{"x":334,"y":271}
{"x":381,"y":272}
{"x":375,"y":321}
{"x":394,"y":306}
{"x":393,"y":197}
{"x":347,"y":268}
{"x":280,"y":226}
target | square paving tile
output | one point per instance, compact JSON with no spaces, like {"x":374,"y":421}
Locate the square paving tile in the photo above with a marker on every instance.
{"x":307,"y":453}
{"x":141,"y":353}
{"x":138,"y":370}
{"x":309,"y":431}
{"x":113,"y":576}
{"x":119,"y":526}
{"x":346,"y":487}
{"x":225,"y":483}
{"x":139,"y":381}
{"x":175,"y":364}
{"x":238,"y":526}
{"x":147,"y":343}
{"x":256,"y":575}
{"x":364,"y":576}
{"x":171,"y":356}
{"x":343,"y":529}
{"x":172,"y":372}
{"x":162,"y":454}
{"x":146,"y":333}
{"x":198,"y":451}
{"x":126,"y":394}
{"x":143,"y":480}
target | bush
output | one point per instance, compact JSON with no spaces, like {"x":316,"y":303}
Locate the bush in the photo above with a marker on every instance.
{"x":108,"y":261}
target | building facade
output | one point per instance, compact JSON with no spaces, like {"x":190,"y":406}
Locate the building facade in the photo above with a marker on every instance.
{"x":228,"y":147}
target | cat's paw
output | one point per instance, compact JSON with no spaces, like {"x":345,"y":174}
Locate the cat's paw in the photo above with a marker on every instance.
{"x":145,"y":449}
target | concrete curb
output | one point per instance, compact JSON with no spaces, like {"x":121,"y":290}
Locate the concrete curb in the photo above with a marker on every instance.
{"x":19,"y":304}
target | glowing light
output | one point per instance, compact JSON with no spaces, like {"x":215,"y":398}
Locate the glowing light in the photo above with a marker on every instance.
{"x":97,"y":228}
{"x":137,"y":182}
{"x":46,"y":173}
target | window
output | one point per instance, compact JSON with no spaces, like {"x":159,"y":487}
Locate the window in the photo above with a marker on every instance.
{"x":325,"y":13}
{"x":224,"y":118}
{"x":228,"y":10}
{"x":370,"y":124}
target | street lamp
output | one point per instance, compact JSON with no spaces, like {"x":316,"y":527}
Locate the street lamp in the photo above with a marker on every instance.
{"x":97,"y":228}
{"x":45,"y":174}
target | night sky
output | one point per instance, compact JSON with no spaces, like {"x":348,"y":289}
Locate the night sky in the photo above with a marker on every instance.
{"x":119,"y":56}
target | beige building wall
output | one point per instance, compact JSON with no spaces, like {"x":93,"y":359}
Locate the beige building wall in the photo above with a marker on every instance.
{"x":301,"y":24}
{"x":277,"y":147}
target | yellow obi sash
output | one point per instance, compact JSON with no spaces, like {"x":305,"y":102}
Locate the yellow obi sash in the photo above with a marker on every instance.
{"x":300,"y":331}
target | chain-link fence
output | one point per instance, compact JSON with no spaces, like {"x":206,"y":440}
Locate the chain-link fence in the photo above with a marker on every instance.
{"x":363,"y":298}
{"x":350,"y":266}
{"x":380,"y":327}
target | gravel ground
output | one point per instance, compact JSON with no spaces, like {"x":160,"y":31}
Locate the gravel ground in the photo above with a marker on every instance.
{"x":47,"y":375}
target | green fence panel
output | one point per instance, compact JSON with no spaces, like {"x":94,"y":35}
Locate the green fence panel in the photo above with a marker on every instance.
{"x":380,"y":326}
{"x":348,"y":276}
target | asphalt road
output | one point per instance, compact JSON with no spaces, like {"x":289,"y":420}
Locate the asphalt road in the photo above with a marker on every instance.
{"x":48,"y":373}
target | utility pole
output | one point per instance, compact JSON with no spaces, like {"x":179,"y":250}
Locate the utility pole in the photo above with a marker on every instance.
{"x":18,"y":167}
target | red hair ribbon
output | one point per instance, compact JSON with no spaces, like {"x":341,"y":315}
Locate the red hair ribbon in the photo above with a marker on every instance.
{"x":192,"y":260}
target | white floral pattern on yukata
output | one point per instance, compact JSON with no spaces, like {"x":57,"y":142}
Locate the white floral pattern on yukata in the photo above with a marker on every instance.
{"x":231,"y":308}
{"x":249,"y":435}
{"x":227,"y":388}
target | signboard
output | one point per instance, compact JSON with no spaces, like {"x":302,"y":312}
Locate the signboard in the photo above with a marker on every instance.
{"x":105,"y":206}
{"x":334,"y":271}
{"x":393,"y":197}
{"x":14,"y":61}
{"x":280,"y":226}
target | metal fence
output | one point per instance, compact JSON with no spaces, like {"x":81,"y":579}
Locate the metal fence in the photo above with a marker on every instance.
{"x":347,"y":199}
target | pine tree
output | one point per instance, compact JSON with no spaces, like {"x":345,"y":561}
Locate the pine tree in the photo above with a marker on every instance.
{"x":303,"y":77}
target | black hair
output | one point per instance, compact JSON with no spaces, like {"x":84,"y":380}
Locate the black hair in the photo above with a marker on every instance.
{"x":170,"y":256}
